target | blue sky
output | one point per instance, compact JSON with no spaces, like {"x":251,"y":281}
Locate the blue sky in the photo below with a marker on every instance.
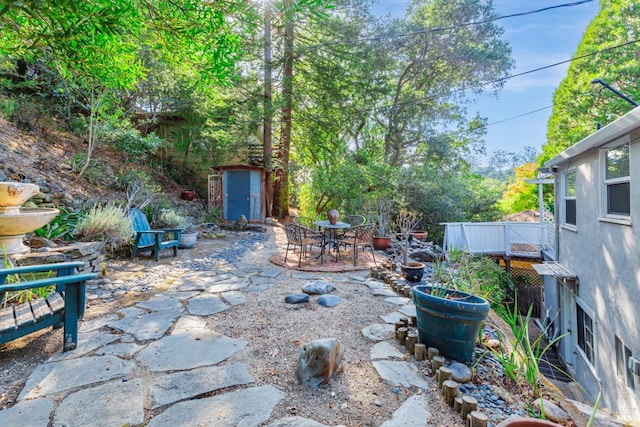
{"x":536,"y":40}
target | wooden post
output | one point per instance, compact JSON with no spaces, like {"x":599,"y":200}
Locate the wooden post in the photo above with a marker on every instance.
{"x":398,"y":325}
{"x":443,"y":374}
{"x":419,"y":350}
{"x":405,"y":320}
{"x":411,"y":341}
{"x":374,"y":272}
{"x":450,"y":391}
{"x":476,"y":419}
{"x":432,"y":352}
{"x":457,"y":404}
{"x":436,"y":362}
{"x":469,"y":404}
{"x":414,"y":321}
{"x":402,"y":335}
{"x":406,"y":290}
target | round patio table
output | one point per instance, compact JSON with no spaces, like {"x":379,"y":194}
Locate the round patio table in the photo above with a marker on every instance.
{"x":330,"y":236}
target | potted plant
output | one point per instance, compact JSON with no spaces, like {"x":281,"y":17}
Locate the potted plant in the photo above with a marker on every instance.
{"x":405,"y":222}
{"x":381,"y":240}
{"x":448,"y":317}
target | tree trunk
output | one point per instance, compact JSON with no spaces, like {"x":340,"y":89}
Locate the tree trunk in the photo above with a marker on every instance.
{"x":281,"y":182}
{"x":266,"y":141}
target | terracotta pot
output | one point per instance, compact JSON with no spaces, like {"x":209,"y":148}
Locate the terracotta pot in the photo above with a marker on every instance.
{"x":420,"y":235}
{"x":381,"y":243}
{"x":187,"y":194}
{"x":333,"y":216}
{"x":525,"y":422}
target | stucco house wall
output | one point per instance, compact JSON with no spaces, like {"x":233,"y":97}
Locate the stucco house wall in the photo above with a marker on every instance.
{"x":604,"y":253}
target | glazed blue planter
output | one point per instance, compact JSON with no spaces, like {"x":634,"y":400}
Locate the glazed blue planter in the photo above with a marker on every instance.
{"x":450,"y":323}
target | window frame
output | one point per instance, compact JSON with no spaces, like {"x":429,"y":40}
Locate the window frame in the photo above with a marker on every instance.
{"x":623,"y":371}
{"x":566,"y":198}
{"x":619,"y":218}
{"x":587,"y":346}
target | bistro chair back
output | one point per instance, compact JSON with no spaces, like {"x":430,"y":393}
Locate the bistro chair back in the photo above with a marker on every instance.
{"x":355,"y":220}
{"x":362,"y":238}
{"x":298,"y":236}
{"x":304,"y":221}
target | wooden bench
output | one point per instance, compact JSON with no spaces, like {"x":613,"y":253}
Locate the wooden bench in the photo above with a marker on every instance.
{"x":63,"y":307}
{"x":147,"y":239}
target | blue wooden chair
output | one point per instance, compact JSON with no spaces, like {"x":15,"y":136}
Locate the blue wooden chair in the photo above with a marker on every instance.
{"x":147,"y":239}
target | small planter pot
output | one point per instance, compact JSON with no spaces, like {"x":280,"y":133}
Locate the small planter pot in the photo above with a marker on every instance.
{"x":413,"y":272}
{"x":450,"y":322}
{"x":420,"y":235}
{"x":381,"y":243}
{"x":187,"y":194}
{"x":188,"y":240}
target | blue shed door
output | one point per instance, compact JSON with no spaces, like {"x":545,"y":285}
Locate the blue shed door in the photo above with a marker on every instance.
{"x":239,"y":191}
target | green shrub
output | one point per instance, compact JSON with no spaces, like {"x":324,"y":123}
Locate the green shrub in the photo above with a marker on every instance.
{"x":108,"y":224}
{"x":62,"y":226}
{"x":168,"y":218}
{"x":212,"y":215}
{"x":129,"y":141}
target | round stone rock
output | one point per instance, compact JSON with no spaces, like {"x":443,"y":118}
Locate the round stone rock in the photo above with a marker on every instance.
{"x":460,"y":372}
{"x":318,"y":287}
{"x":328,"y":300}
{"x":296,"y":299}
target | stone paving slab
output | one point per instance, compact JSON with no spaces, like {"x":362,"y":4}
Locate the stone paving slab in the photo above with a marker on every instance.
{"x":385,"y":350}
{"x":246,"y":407}
{"x":55,"y":377}
{"x":206,"y":305}
{"x":408,"y":310}
{"x":271,"y":272}
{"x":392,"y":317}
{"x":188,"y":323}
{"x":400,"y":374}
{"x":32,"y":413}
{"x":184,"y":385}
{"x":147,"y":326}
{"x":379,"y":332}
{"x":160,"y":302}
{"x":122,"y":350}
{"x":234,"y":298}
{"x":384,"y":292}
{"x":398,"y":300}
{"x":87,"y":342}
{"x":97,"y":323}
{"x":231,"y":284}
{"x":413,"y":412}
{"x":296,"y":422}
{"x":188,"y":350}
{"x":121,"y":404}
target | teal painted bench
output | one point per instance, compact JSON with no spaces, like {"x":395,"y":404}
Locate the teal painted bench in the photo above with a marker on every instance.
{"x":147,"y":239}
{"x":63,"y":307}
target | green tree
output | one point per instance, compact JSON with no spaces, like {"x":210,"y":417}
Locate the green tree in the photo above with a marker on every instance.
{"x":608,"y":51}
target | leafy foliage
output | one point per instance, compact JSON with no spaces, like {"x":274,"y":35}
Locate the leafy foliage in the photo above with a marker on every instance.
{"x":108,"y":223}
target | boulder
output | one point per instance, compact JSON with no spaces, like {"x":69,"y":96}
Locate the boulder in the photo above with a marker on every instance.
{"x":240,"y":224}
{"x":319,"y":360}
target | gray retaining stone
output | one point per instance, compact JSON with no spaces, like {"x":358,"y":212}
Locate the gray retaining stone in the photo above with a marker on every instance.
{"x":247,"y":407}
{"x":413,"y":412}
{"x":32,"y":413}
{"x":121,"y":403}
{"x":55,"y":377}
{"x":400,"y":374}
{"x":189,"y":350}
{"x":183,"y":385}
{"x":147,"y":326}
{"x":206,"y":305}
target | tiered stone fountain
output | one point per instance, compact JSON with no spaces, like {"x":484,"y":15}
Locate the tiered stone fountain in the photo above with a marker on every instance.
{"x":16,"y":221}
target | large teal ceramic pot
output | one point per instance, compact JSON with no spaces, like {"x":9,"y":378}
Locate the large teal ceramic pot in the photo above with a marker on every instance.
{"x":450,"y":323}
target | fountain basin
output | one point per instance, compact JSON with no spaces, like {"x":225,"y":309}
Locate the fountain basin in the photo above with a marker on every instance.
{"x":16,"y":193}
{"x":14,"y":226}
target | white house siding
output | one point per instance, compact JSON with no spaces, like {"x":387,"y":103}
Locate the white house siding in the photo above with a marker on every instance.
{"x":606,"y":259}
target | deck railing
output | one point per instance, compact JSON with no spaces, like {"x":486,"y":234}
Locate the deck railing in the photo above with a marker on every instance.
{"x":526,"y":239}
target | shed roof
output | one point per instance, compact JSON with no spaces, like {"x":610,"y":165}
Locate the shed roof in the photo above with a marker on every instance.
{"x":613,"y":130}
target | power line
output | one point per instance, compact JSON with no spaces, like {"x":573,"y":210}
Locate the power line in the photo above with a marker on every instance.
{"x":451,"y":27}
{"x":520,"y":115}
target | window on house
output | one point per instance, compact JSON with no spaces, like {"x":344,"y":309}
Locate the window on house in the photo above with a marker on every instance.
{"x":585,"y":333}
{"x":570,"y":197}
{"x":617,"y":183}
{"x":623,"y":354}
